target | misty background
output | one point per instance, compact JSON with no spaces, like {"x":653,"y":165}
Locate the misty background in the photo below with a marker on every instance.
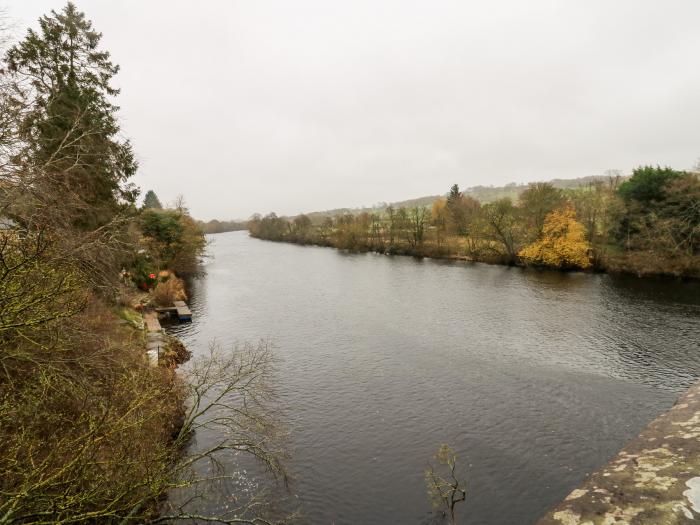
{"x":299,"y":106}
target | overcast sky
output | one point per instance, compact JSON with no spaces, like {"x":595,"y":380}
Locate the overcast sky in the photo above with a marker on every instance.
{"x":293,"y":106}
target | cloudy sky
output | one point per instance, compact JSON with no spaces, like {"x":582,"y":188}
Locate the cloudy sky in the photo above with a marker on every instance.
{"x":302,"y":105}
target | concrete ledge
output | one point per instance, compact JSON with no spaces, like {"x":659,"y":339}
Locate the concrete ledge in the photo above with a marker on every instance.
{"x":655,"y":479}
{"x":155,"y":341}
{"x":151,"y":321}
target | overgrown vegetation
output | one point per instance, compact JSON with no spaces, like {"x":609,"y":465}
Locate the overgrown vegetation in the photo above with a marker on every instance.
{"x":648,"y":224}
{"x":90,"y":432}
{"x":172,"y":238}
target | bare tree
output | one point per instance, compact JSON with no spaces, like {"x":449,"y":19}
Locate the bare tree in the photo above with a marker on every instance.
{"x":502,"y":222}
{"x":445,"y":488}
{"x":231,"y":396}
{"x":417,"y":219}
{"x":180,"y":205}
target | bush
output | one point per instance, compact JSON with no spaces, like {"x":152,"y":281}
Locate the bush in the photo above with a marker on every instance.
{"x":85,"y":425}
{"x":168,"y":290}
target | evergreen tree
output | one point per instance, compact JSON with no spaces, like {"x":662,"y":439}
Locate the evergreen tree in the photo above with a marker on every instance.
{"x":454,"y":194}
{"x":648,"y":184}
{"x":71,"y":132}
{"x":460,"y":208}
{"x":151,"y":201}
{"x":455,"y":209}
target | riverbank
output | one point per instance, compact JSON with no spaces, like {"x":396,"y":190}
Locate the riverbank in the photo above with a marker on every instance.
{"x":645,"y":225}
{"x":612,"y":265}
{"x":654,"y":479}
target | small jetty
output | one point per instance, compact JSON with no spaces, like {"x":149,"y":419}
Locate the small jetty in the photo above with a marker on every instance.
{"x":178,"y":309}
{"x":155,"y":337}
{"x":183,"y":311}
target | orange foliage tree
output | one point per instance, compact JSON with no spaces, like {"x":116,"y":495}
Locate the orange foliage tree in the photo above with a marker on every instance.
{"x":563,"y":243}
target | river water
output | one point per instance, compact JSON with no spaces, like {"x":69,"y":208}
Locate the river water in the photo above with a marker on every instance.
{"x":534,"y":377}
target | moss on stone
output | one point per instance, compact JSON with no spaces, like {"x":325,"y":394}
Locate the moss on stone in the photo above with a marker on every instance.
{"x":655,"y":479}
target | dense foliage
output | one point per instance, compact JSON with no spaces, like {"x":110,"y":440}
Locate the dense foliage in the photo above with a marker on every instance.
{"x":173,"y":238}
{"x":63,"y":82}
{"x":90,"y":431}
{"x":647,"y":224}
{"x":84,"y":421}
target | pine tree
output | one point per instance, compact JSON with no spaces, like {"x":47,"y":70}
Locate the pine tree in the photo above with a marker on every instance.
{"x":459,"y":209}
{"x":71,"y":134}
{"x":151,"y":201}
{"x":454,"y":194}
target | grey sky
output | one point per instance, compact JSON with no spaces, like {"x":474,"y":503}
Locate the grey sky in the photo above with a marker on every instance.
{"x":303,"y":105}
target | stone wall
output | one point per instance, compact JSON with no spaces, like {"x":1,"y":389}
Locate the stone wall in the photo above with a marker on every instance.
{"x":655,"y":479}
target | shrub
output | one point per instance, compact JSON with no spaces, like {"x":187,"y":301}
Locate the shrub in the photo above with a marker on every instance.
{"x":169,"y":290}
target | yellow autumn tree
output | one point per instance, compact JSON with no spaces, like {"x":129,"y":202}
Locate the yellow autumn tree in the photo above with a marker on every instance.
{"x":563,"y":243}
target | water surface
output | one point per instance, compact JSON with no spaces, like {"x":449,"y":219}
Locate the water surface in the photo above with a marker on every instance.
{"x":534,"y":377}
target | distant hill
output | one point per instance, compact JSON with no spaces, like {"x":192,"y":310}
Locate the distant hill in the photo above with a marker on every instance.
{"x":420,"y":201}
{"x":483,"y":194}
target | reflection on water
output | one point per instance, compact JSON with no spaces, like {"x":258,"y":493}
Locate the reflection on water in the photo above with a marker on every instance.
{"x":535,"y":378}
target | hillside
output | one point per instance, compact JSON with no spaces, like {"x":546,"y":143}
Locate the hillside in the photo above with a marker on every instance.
{"x":483,"y":194}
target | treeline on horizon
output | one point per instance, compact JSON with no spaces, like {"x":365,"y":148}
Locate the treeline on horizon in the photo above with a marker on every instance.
{"x":481,"y":193}
{"x":646,"y":224}
{"x":216,"y":226}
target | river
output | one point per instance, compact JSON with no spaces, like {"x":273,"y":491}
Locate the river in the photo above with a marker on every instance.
{"x":534,"y":377}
